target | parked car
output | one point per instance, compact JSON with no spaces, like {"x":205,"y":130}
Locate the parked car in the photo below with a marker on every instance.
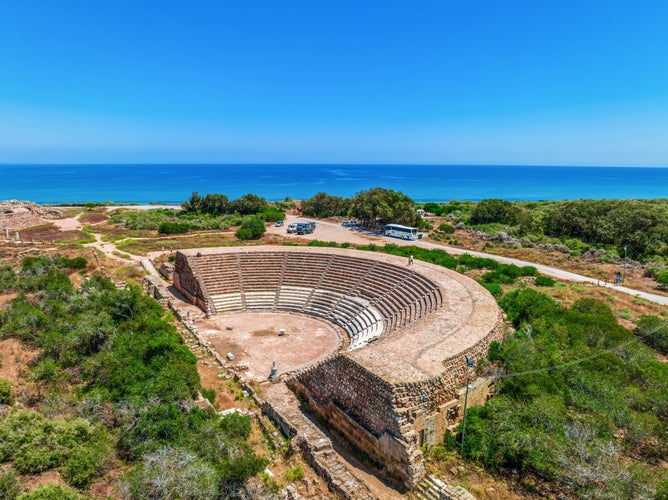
{"x":279,"y":223}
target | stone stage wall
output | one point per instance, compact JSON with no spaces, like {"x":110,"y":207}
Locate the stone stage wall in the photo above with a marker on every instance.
{"x":387,"y":421}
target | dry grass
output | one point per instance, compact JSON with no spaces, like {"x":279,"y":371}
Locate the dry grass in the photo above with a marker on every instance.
{"x":575,"y":264}
{"x":93,"y":218}
{"x":47,"y":233}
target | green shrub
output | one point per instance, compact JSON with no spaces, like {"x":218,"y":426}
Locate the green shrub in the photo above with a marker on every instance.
{"x":294,"y":473}
{"x":497,"y":278}
{"x":80,"y":468}
{"x":446,"y":228}
{"x":544,"y":281}
{"x":270,"y":214}
{"x":9,"y":486}
{"x":438,"y":453}
{"x":528,"y":271}
{"x":626,"y":314}
{"x":236,"y":426}
{"x":51,"y":492}
{"x":449,"y":441}
{"x":654,"y":332}
{"x":209,"y":394}
{"x":251,"y":229}
{"x":173,"y":228}
{"x":75,"y":263}
{"x":6,"y":392}
{"x":662,"y":490}
{"x":319,"y":243}
{"x":494,"y":289}
{"x":662,"y":279}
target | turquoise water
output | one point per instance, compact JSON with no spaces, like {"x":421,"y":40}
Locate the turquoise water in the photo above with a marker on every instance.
{"x":173,"y":183}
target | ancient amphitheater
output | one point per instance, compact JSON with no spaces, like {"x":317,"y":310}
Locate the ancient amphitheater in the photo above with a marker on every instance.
{"x":394,"y":381}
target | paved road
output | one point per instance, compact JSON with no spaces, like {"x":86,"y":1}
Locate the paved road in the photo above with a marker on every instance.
{"x":336,"y":232}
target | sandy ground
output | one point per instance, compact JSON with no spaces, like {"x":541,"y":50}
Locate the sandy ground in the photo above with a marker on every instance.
{"x":70,"y":224}
{"x":255,"y":340}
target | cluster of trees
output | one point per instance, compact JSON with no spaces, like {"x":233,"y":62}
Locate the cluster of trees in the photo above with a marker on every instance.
{"x":597,"y":425}
{"x":213,"y":211}
{"x":639,"y":224}
{"x":219,"y":204}
{"x":124,"y":381}
{"x":373,"y":207}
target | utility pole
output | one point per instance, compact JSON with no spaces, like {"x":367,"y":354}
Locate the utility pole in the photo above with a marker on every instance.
{"x":624,"y":277}
{"x":469,"y":362}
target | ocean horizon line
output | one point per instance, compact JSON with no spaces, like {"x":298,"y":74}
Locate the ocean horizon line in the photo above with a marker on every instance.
{"x":350,"y":164}
{"x":145,"y":183}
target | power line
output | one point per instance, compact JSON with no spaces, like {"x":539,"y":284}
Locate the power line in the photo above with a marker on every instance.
{"x":587,"y":358}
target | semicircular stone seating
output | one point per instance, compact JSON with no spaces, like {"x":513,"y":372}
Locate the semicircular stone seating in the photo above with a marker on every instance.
{"x":364,"y":297}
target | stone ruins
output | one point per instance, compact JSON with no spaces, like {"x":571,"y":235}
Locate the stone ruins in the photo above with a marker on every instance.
{"x":21,"y":214}
{"x":396,"y":383}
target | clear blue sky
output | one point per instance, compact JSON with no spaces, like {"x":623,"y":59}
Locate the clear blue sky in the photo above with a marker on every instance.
{"x":557,"y":82}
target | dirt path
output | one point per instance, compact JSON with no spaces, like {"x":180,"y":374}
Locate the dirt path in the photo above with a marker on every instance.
{"x":328,"y":231}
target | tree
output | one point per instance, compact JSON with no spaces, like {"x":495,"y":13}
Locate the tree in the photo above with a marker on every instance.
{"x":323,"y":205}
{"x":215,"y":204}
{"x":193,"y":204}
{"x":379,"y":206}
{"x":493,"y":210}
{"x":248,"y":204}
{"x":251,"y":229}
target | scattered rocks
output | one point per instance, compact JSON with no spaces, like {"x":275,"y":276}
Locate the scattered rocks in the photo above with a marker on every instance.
{"x":167,"y":270}
{"x":21,"y":214}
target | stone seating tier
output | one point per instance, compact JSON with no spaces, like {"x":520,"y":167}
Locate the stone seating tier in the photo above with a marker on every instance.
{"x":364,"y":297}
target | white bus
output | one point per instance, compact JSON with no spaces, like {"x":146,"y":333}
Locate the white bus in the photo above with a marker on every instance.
{"x":403,"y":232}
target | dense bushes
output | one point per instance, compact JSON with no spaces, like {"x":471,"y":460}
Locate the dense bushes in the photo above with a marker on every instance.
{"x":251,"y":229}
{"x":580,"y":424}
{"x":173,"y":227}
{"x":373,"y":207}
{"x":323,"y":205}
{"x":641,"y":225}
{"x":6,"y":392}
{"x":654,"y":332}
{"x":129,"y":378}
{"x":35,"y":444}
{"x":211,"y":212}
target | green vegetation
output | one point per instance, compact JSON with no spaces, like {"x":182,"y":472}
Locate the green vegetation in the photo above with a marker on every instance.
{"x":123,"y":379}
{"x":212,"y":212}
{"x":657,"y":336}
{"x":544,"y":281}
{"x":641,"y":225}
{"x":251,"y":229}
{"x":323,"y":205}
{"x":498,"y":274}
{"x":583,"y":425}
{"x":374,"y":207}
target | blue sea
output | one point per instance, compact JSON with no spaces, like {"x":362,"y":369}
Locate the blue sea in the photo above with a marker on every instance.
{"x":172,"y":183}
